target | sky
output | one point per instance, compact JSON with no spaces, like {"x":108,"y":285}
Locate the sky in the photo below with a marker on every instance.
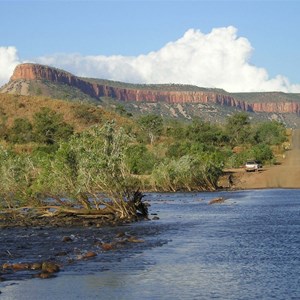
{"x":240,"y":46}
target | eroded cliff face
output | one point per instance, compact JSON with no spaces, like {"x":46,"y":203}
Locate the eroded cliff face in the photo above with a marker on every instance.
{"x":277,"y":107}
{"x":95,"y":90}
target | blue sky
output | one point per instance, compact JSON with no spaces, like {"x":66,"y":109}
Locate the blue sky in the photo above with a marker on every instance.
{"x":54,"y":31}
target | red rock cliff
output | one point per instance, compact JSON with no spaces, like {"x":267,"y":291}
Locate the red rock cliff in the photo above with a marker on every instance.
{"x":95,"y":90}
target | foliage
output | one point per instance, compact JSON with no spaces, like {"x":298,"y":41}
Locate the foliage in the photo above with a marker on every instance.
{"x":88,"y":114}
{"x":100,"y":166}
{"x":120,"y":109}
{"x":260,"y":152}
{"x":176,"y":129}
{"x":49,"y":127}
{"x":21,"y":131}
{"x":205,"y":132}
{"x":90,"y":170}
{"x":238,"y":128}
{"x":3,"y":126}
{"x":189,"y":172}
{"x":17,"y":174}
{"x":270,"y":133}
{"x":139,"y":159}
{"x":182,"y":148}
{"x":152,"y":125}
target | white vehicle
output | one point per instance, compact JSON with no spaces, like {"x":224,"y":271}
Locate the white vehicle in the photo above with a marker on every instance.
{"x":252,"y":165}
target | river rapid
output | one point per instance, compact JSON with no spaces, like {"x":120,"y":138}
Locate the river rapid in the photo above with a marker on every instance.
{"x":245,"y":248}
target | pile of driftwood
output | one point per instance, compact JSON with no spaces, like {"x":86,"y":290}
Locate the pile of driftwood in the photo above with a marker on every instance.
{"x":135,"y":209}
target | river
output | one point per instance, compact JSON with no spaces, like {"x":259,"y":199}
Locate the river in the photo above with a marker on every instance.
{"x":246,"y":248}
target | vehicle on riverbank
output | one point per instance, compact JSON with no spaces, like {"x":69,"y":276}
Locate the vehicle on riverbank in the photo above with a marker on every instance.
{"x":253,"y":165}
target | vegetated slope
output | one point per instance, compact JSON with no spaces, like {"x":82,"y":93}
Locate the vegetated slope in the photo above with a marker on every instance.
{"x":79,"y":115}
{"x":171,"y":100}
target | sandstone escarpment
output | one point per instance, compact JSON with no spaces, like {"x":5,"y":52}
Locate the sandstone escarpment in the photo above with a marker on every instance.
{"x":277,"y":107}
{"x":97,"y":90}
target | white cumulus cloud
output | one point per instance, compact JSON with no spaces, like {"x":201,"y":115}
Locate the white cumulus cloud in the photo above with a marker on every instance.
{"x":8,"y":61}
{"x":218,"y":59}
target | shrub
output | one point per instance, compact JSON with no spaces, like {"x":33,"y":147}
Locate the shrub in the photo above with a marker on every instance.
{"x":152,"y":125}
{"x":270,"y":133}
{"x":139,"y":159}
{"x":21,"y":131}
{"x":17,"y":175}
{"x":189,"y":172}
{"x":88,"y":114}
{"x":49,"y":127}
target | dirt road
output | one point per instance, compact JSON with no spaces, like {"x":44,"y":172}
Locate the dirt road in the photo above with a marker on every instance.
{"x":285,"y":175}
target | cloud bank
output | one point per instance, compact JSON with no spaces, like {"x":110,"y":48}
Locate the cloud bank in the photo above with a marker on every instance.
{"x":8,"y":61}
{"x":218,"y":59}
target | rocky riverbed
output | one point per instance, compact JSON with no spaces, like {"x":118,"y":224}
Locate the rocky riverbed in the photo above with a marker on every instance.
{"x":44,"y":251}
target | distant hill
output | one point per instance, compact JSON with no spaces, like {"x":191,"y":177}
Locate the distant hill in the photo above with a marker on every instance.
{"x":170,"y":100}
{"x":79,"y":115}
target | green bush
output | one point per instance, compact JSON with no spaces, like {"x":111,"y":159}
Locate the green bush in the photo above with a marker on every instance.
{"x":270,"y":133}
{"x":17,"y":174}
{"x":189,"y":172}
{"x":49,"y":127}
{"x":238,"y":129}
{"x":139,"y":159}
{"x":205,"y":132}
{"x":260,"y":152}
{"x":21,"y":131}
{"x":151,"y":124}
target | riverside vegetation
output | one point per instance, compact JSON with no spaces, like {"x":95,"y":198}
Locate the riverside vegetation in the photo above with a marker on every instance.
{"x":78,"y":162}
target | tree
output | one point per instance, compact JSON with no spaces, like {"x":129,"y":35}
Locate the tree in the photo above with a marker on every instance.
{"x":90,"y":171}
{"x":270,"y":133}
{"x":49,"y":127}
{"x":238,"y":128}
{"x":121,"y":110}
{"x":205,"y":132}
{"x":139,"y":159}
{"x":21,"y":131}
{"x":176,"y":129}
{"x":152,"y":125}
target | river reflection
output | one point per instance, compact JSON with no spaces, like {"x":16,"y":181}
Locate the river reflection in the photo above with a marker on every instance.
{"x":246,"y":248}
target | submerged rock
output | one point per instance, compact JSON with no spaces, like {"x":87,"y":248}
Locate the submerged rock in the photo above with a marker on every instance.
{"x":107,"y":246}
{"x":45,"y":275}
{"x":216,"y":200}
{"x":36,"y":266}
{"x":133,"y":239}
{"x":67,"y":239}
{"x":20,"y":266}
{"x":50,"y":267}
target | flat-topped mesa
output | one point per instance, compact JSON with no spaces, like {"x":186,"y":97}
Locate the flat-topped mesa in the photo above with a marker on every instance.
{"x":29,"y":71}
{"x":135,"y":93}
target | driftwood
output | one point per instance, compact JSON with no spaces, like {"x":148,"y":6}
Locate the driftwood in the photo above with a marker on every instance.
{"x":54,"y":211}
{"x":132,"y":209}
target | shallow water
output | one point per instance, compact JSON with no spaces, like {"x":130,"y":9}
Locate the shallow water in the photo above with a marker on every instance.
{"x":246,"y":248}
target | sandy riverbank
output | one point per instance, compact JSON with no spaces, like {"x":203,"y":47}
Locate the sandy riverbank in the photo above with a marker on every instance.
{"x":286,"y":174}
